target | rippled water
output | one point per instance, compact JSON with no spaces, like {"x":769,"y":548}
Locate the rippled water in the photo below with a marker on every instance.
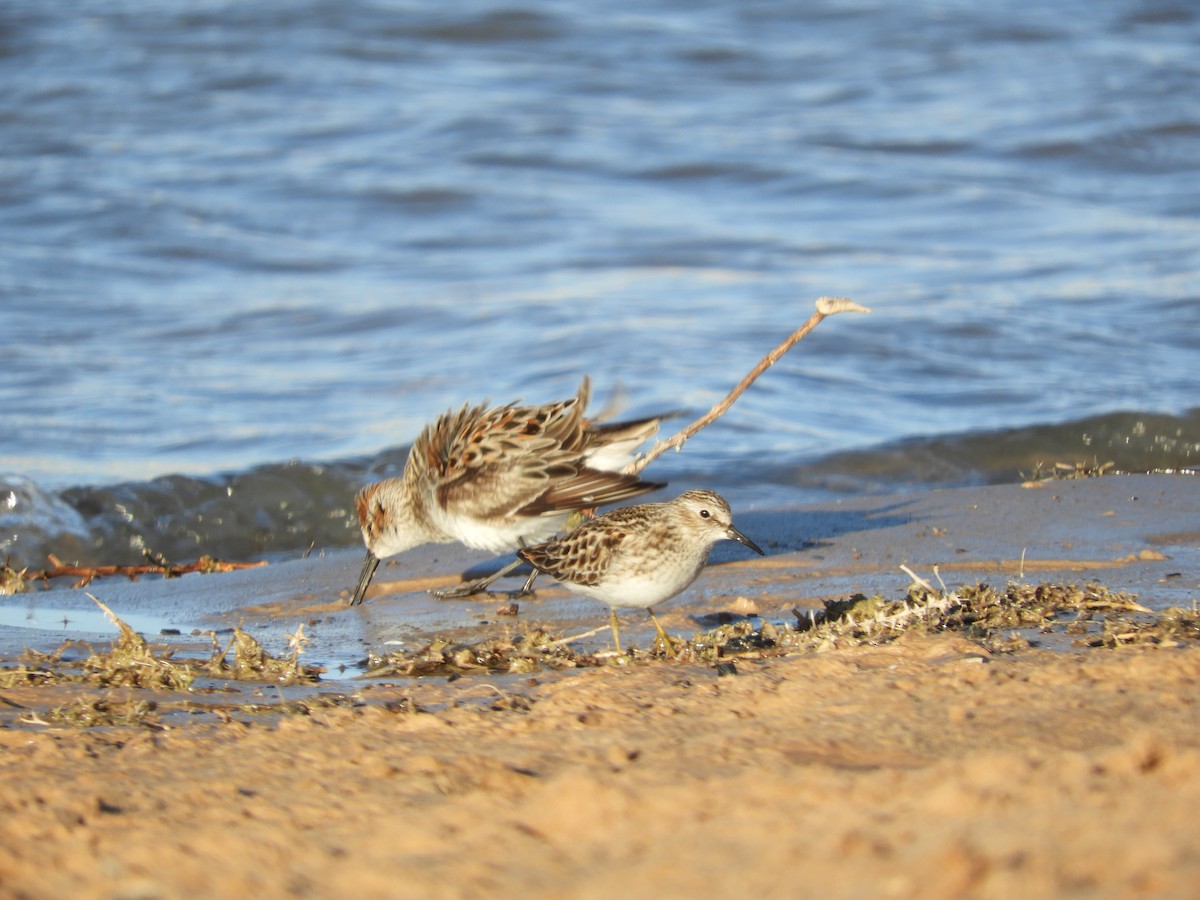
{"x":238,"y":235}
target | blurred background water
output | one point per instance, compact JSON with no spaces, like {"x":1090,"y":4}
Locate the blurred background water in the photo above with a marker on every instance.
{"x":248,"y":250}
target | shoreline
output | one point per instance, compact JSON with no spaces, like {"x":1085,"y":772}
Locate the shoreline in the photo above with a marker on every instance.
{"x":925,"y":767}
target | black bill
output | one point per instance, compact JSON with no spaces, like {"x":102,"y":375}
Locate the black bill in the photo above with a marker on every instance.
{"x":365,"y":576}
{"x":736,"y":535}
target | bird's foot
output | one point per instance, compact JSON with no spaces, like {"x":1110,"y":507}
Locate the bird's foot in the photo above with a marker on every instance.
{"x":663,"y":642}
{"x":666,"y":645}
{"x":480,"y":590}
{"x":481,"y":585}
{"x":460,"y":592}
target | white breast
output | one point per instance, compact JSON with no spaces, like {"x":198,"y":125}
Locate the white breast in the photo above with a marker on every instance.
{"x":500,"y":536}
{"x":646,"y":588}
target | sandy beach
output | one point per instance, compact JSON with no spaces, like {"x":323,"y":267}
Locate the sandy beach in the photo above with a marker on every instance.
{"x":922,"y":766}
{"x":257,"y":257}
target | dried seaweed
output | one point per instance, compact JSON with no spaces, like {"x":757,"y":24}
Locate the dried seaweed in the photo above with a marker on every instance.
{"x":1061,"y":471}
{"x":93,"y":712}
{"x":27,"y":676}
{"x":1173,"y":627}
{"x":997,"y":619}
{"x":251,"y":662}
{"x":132,"y":662}
{"x":980,"y":612}
{"x":994,"y":618}
{"x":12,"y":581}
{"x":1000,"y":620}
{"x":510,"y":654}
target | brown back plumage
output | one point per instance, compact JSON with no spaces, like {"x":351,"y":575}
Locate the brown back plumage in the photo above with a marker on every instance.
{"x":523,"y":460}
{"x":583,"y":556}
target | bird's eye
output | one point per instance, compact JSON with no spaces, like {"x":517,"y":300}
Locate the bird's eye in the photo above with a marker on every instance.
{"x":704,"y":513}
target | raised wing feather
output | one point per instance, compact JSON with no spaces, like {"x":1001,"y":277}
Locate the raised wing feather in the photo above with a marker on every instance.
{"x":529,"y":460}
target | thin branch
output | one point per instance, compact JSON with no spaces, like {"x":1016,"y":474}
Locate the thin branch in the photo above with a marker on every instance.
{"x":826,"y":306}
{"x":562,"y":642}
{"x":86,"y":574}
{"x":918,"y":580}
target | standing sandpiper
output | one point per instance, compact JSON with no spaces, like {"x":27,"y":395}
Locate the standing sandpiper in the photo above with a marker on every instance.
{"x":641,"y":555}
{"x":496,"y":479}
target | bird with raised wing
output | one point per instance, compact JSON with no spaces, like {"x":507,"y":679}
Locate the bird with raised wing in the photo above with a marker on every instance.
{"x":497,"y":479}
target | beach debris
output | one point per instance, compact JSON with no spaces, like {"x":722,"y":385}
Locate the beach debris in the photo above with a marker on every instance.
{"x":12,"y":581}
{"x":251,"y":662}
{"x":1001,"y":620}
{"x":1062,"y":471}
{"x":131,"y":662}
{"x":1171,"y":628}
{"x":512,"y":654}
{"x":98,"y":712}
{"x":992,"y":617}
{"x":85,"y":575}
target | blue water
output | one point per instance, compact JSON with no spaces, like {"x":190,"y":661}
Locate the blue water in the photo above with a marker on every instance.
{"x":238,"y":235}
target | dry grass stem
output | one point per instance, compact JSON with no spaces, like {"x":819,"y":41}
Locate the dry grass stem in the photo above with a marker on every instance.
{"x":826,"y":306}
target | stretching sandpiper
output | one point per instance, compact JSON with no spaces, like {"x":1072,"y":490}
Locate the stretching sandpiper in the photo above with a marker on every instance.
{"x":497,"y":479}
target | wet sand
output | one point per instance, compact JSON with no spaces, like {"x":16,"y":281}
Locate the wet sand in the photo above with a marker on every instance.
{"x":924,"y":768}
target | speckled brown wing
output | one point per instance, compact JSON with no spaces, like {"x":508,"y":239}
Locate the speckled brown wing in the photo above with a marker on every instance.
{"x":510,"y":460}
{"x":487,"y":463}
{"x":589,"y":488}
{"x":580,"y":558}
{"x":584,"y":555}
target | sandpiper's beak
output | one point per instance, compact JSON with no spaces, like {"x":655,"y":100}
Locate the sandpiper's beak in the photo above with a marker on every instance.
{"x":365,"y":576}
{"x":734,"y":535}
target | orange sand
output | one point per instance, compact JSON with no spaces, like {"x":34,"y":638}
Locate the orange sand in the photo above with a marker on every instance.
{"x":919,"y":770}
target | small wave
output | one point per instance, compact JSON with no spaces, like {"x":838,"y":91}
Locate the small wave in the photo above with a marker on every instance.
{"x":1131,"y":441}
{"x":268,"y":511}
{"x":500,"y":26}
{"x":32,"y":519}
{"x":289,"y":508}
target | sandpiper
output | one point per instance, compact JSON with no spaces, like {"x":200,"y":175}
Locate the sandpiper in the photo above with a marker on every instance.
{"x":641,"y":555}
{"x":497,"y":479}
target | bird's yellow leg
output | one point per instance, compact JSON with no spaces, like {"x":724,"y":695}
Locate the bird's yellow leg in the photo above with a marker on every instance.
{"x":663,"y":639}
{"x":612,"y":622}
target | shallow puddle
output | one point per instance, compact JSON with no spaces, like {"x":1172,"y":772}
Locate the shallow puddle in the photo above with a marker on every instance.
{"x":43,"y":617}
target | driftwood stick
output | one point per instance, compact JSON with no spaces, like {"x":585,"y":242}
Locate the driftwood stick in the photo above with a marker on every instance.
{"x":826,"y":306}
{"x":86,"y":574}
